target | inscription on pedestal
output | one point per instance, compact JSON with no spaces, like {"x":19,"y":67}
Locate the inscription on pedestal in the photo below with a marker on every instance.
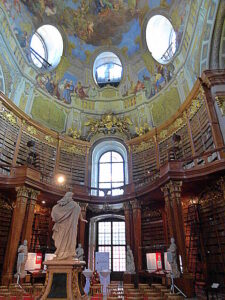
{"x":58,"y":287}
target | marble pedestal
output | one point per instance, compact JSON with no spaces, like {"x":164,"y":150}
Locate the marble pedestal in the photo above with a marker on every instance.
{"x":63,"y":280}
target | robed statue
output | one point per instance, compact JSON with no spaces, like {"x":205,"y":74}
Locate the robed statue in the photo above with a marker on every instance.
{"x":130,"y":266}
{"x":21,"y":260}
{"x":172,"y":259}
{"x":66,"y":214}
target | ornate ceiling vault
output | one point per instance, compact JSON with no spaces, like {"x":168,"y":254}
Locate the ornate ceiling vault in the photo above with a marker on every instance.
{"x":67,"y":98}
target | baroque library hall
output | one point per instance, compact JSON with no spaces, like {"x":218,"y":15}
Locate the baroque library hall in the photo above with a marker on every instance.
{"x":112,"y":149}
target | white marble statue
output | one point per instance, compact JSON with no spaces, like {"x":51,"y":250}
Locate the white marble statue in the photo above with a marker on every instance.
{"x":80,"y":252}
{"x":172,"y":259}
{"x":66,"y":214}
{"x":130,"y":267}
{"x":21,"y":260}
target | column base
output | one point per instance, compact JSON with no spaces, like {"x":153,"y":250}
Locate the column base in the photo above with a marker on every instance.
{"x":7,"y":278}
{"x":129,"y":277}
{"x":63,"y":280}
{"x":186,"y":284}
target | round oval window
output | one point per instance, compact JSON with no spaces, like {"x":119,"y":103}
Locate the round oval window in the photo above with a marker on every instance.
{"x":161,"y":38}
{"x":107,"y":69}
{"x":46,"y":47}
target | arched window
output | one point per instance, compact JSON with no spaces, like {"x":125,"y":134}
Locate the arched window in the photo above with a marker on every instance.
{"x":108,"y":156}
{"x":111,"y":173}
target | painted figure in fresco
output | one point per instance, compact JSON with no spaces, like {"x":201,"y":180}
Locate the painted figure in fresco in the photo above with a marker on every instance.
{"x":139,"y":86}
{"x":80,"y":90}
{"x":61,"y":87}
{"x":50,"y":8}
{"x":92,"y":92}
{"x":49,"y":85}
{"x":68,"y":89}
{"x":22,"y":38}
{"x":148,"y":86}
{"x":17,"y":6}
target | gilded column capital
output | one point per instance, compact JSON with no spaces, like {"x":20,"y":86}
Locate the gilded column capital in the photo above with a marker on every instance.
{"x":174,"y":186}
{"x":165,"y":190}
{"x":22,"y":191}
{"x":33,"y":194}
{"x":126,"y":206}
{"x":135,"y":204}
{"x":83,"y":206}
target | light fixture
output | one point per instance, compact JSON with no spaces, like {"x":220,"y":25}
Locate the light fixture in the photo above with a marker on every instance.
{"x":43,"y":202}
{"x":60,"y":179}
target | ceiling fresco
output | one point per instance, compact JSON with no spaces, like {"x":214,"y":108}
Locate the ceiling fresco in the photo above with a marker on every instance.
{"x":89,"y":25}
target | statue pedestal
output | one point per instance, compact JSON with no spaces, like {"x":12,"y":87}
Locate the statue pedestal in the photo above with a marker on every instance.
{"x":129,"y":277}
{"x":63,"y":280}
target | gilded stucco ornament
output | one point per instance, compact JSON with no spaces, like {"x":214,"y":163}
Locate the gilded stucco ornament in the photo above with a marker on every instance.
{"x":195,"y":105}
{"x":9,"y":116}
{"x":142,"y":129}
{"x":109,"y":124}
{"x":220,"y":100}
{"x":175,"y":126}
{"x":143,"y":146}
{"x":32,"y":130}
{"x":74,"y":133}
{"x":49,"y":139}
{"x":73,"y":149}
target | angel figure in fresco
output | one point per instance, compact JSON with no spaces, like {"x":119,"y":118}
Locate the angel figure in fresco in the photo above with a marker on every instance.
{"x":90,"y":28}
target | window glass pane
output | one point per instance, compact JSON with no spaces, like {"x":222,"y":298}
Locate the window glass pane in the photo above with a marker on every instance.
{"x":116,"y":157}
{"x":119,"y":191}
{"x":105,"y":172}
{"x":106,"y":157}
{"x":104,"y":227}
{"x":119,"y":233}
{"x":37,"y":45}
{"x":117,"y":172}
{"x":119,"y":258}
{"x":161,"y":38}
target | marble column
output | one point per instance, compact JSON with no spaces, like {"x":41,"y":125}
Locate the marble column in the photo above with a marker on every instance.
{"x":82,"y":224}
{"x":136,"y":208}
{"x":29,"y":217}
{"x":172,"y":194}
{"x":169,"y":211}
{"x":127,"y":209}
{"x":15,"y":233}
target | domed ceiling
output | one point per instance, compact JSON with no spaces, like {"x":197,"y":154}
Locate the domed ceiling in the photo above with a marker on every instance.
{"x":147,"y":94}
